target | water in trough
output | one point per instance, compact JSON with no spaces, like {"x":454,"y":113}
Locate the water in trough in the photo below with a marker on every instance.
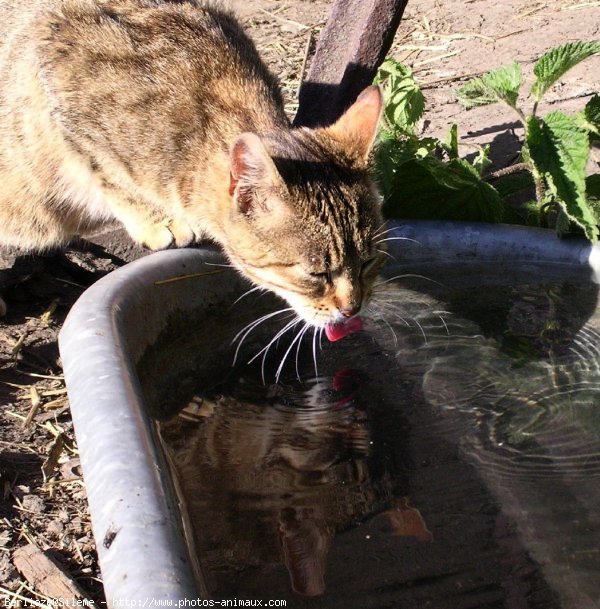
{"x":448,"y":456}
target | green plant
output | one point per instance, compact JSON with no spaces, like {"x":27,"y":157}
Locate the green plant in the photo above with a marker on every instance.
{"x":424,"y":177}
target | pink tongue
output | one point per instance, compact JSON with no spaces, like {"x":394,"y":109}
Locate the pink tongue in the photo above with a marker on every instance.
{"x":338,"y":331}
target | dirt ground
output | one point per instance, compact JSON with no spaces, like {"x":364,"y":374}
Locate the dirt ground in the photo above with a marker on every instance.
{"x":42,"y":499}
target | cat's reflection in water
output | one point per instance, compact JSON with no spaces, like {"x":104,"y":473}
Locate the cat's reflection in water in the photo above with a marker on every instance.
{"x":270,"y":474}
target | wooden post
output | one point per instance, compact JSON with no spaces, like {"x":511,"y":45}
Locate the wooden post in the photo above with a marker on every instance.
{"x":352,"y":45}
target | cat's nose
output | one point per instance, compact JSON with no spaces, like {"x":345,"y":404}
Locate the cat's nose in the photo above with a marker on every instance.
{"x":350,"y":311}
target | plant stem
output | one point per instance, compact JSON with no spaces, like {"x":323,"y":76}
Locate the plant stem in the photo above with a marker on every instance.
{"x":519,"y":168}
{"x":539,"y":188}
{"x":521,"y":115}
{"x":538,"y":183}
{"x":516,"y":168}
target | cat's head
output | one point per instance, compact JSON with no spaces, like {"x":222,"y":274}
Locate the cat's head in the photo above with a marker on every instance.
{"x":306,"y":215}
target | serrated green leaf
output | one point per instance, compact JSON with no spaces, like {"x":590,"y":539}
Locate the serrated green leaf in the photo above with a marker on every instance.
{"x":505,"y":83}
{"x":412,"y":110}
{"x":391,"y":67}
{"x":553,"y":64}
{"x":498,"y":85}
{"x":474,"y":93}
{"x":427,"y":146}
{"x":431,"y":189}
{"x":583,"y":122}
{"x":404,"y":102}
{"x":394,"y":149}
{"x":558,"y":147}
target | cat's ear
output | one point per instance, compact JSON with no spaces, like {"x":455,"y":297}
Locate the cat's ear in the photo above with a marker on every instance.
{"x":251,"y":169}
{"x":357,"y":127}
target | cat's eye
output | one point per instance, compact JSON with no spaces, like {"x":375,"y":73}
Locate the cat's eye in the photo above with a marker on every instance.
{"x":324,"y":276}
{"x":322,"y":273}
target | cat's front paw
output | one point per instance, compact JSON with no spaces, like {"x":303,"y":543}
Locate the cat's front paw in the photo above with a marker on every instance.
{"x":182,"y":232}
{"x":156,"y":237}
{"x":172,"y":233}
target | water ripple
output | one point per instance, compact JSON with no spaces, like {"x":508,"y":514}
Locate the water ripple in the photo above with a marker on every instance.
{"x":539,"y":418}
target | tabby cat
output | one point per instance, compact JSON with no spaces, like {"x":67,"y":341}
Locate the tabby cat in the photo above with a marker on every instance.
{"x":160,"y":115}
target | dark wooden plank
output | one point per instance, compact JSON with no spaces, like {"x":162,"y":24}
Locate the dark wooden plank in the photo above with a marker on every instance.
{"x":354,"y":42}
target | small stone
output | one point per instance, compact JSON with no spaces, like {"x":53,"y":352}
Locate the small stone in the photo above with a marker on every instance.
{"x":63,"y":516}
{"x":75,"y":526}
{"x":56,"y":528}
{"x":33,"y":503}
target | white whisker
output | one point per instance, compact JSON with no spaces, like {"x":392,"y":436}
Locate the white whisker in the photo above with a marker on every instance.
{"x":314,"y":349}
{"x":392,"y":331}
{"x":248,"y":292}
{"x":404,"y":276}
{"x":280,"y":333}
{"x":402,"y":319}
{"x":265,"y":350}
{"x":280,"y":368}
{"x":388,"y":255}
{"x":381,"y":226}
{"x":378,"y":241}
{"x":380,"y":233}
{"x":389,"y":309}
{"x":227,"y":266}
{"x":422,"y":331}
{"x":254,"y":323}
{"x":243,"y":333}
{"x":443,"y":322}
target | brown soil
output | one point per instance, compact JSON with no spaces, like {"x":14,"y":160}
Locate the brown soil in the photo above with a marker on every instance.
{"x":43,"y":497}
